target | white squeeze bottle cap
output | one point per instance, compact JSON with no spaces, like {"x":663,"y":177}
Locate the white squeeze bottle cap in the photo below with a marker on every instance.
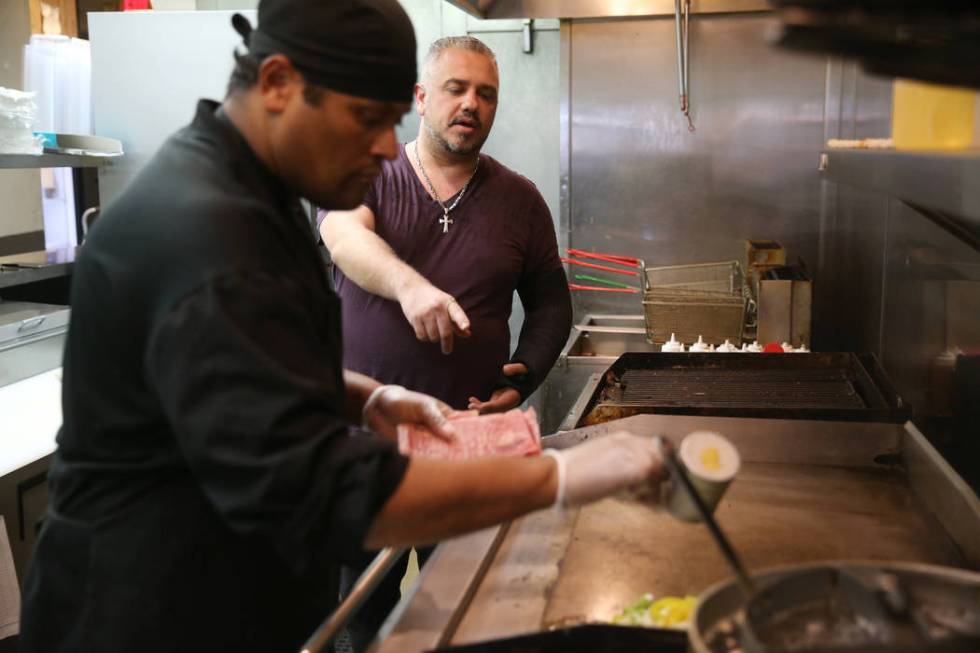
{"x":727,"y":347}
{"x":672,"y":346}
{"x":699,"y":345}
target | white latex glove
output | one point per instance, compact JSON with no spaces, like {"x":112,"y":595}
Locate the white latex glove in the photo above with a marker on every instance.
{"x":605,"y":466}
{"x":434,"y":315}
{"x":391,"y":405}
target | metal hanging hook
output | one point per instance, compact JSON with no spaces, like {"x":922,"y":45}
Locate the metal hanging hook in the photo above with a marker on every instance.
{"x":682,"y":14}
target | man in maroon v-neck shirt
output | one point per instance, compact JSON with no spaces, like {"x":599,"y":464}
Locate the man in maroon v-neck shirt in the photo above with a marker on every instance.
{"x":428,"y":265}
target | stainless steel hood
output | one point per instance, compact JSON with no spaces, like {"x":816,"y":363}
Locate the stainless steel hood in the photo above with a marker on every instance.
{"x":597,"y":8}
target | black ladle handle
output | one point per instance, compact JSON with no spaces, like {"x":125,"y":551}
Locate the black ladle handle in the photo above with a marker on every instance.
{"x":678,"y":474}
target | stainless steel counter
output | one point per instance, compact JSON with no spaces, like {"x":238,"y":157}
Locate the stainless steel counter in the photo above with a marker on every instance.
{"x":808,"y":491}
{"x":20,"y":269}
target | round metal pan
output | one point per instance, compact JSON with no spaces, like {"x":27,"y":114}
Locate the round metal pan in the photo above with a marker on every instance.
{"x":841,"y":606}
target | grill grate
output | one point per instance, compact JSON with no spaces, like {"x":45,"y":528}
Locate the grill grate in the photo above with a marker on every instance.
{"x":750,"y":388}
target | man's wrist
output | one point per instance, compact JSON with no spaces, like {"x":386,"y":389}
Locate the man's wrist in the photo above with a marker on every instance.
{"x":408,"y":283}
{"x":374,"y":398}
{"x":523,"y":383}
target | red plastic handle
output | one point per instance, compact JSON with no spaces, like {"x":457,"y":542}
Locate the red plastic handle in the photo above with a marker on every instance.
{"x":629,"y":273}
{"x":609,"y":258}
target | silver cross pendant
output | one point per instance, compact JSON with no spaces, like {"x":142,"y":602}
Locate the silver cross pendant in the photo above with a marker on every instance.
{"x":445,"y":221}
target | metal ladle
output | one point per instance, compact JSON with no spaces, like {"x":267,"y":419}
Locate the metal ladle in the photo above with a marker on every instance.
{"x":679,"y":474}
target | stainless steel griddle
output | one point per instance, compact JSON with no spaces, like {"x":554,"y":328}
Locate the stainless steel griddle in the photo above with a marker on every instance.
{"x":808,"y":491}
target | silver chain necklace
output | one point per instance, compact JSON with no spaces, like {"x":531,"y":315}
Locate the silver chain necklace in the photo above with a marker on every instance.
{"x":445,"y":220}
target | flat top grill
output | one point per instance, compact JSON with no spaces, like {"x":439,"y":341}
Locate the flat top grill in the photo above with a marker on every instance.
{"x":830,"y":386}
{"x":717,"y":388}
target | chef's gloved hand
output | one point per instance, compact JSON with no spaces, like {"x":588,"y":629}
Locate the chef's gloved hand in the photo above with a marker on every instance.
{"x":605,"y":466}
{"x":391,"y":405}
{"x":435,"y":316}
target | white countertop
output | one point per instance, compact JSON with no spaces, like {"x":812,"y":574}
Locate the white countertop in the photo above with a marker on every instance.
{"x":30,"y":416}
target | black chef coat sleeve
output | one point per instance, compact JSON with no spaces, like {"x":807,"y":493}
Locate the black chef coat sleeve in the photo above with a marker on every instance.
{"x":255,"y":396}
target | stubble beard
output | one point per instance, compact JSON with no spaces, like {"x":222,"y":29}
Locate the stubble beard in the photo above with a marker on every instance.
{"x":442,"y":142}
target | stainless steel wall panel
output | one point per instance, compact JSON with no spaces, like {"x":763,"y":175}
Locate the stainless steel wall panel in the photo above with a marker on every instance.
{"x":848,"y":270}
{"x":641,"y":184}
{"x":565,"y":134}
{"x":848,"y":317}
{"x":931,"y":297}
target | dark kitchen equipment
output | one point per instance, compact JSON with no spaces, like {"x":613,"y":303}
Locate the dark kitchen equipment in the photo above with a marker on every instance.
{"x":588,"y":638}
{"x":931,"y":41}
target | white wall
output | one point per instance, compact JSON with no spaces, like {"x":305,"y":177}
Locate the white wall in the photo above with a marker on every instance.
{"x":148,"y":71}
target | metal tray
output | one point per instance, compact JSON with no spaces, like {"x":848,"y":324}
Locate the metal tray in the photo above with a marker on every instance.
{"x":808,"y":491}
{"x":832,"y":386}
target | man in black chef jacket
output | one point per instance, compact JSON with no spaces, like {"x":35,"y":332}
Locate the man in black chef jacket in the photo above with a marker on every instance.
{"x":211,"y":467}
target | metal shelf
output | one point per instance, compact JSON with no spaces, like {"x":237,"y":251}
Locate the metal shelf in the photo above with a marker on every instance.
{"x":47,"y":160}
{"x":943,"y":182}
{"x":11,"y":278}
{"x":20,"y":269}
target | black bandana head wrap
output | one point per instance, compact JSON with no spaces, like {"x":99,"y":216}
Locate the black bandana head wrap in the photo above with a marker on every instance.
{"x":359,"y":47}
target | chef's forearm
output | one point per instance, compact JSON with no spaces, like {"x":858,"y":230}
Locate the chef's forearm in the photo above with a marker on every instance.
{"x":359,"y":387}
{"x":439,"y":499}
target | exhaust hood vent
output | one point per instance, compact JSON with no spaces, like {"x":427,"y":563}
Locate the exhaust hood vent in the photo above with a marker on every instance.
{"x":597,"y":8}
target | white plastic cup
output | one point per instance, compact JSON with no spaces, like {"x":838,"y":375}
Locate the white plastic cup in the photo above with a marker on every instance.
{"x":697,"y":451}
